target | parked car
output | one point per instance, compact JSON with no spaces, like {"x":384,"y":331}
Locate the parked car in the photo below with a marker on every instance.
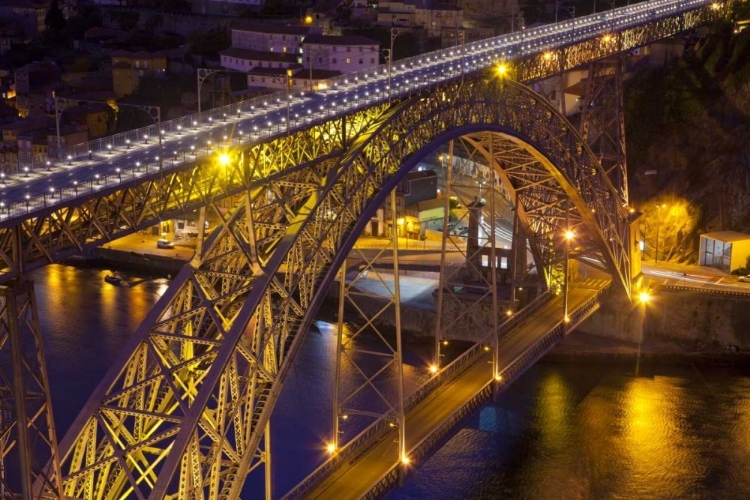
{"x":745,"y":279}
{"x":162,"y":243}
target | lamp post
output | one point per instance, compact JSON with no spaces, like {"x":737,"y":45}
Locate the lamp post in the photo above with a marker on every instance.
{"x":568,"y":235}
{"x":311,"y":58}
{"x":395,"y":32}
{"x":287,"y":81}
{"x":481,"y":183}
{"x":658,"y":220}
{"x":205,"y":73}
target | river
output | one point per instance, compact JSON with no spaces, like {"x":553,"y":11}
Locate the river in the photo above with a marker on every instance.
{"x":561,"y":431}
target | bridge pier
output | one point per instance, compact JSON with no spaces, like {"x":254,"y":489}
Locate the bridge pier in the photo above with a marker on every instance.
{"x":27,"y":427}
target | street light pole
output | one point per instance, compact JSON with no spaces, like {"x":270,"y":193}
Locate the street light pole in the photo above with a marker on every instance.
{"x":395,"y":32}
{"x":566,"y":288}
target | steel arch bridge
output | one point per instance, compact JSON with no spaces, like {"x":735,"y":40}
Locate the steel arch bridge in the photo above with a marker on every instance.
{"x":184,"y":413}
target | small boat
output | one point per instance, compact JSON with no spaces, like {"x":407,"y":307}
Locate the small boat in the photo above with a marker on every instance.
{"x":112,"y":279}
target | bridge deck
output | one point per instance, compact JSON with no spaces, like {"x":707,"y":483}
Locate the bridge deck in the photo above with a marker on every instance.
{"x":357,"y":477}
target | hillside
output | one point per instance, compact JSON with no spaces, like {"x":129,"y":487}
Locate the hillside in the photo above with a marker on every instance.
{"x":690,"y":121}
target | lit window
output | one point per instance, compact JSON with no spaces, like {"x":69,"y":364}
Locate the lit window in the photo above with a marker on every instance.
{"x":348,"y":61}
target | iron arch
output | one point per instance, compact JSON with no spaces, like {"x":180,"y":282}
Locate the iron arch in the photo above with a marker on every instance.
{"x":187,"y":408}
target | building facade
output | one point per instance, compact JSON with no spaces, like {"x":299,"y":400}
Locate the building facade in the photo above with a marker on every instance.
{"x":129,"y":67}
{"x":270,"y":37}
{"x":346,"y":54}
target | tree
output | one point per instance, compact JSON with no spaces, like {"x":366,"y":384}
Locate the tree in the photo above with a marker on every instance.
{"x":55,"y":20}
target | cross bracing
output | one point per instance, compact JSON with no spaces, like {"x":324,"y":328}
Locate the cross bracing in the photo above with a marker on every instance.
{"x":184,"y":413}
{"x":63,"y":209}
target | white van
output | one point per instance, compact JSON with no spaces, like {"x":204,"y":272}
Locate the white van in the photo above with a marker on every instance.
{"x":162,"y":243}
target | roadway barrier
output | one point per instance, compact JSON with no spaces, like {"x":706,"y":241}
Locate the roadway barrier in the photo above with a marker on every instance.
{"x":705,"y":290}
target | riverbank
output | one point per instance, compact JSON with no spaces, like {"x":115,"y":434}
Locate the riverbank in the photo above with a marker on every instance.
{"x":598,"y":348}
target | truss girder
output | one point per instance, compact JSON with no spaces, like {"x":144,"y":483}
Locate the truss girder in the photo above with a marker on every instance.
{"x":546,"y":63}
{"x":122,"y":208}
{"x":74,"y":226}
{"x":183,"y":414}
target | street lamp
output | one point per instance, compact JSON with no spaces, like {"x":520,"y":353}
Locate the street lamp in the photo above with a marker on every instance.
{"x":569,"y":235}
{"x":658,"y":219}
{"x":481,"y":183}
{"x":288,"y":86}
{"x":395,"y":32}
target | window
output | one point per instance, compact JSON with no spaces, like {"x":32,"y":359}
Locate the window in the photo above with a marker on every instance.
{"x":334,"y":60}
{"x":360,"y":60}
{"x":138,"y":64}
{"x":320,"y":60}
{"x":283,"y":49}
{"x":283,"y":37}
{"x":372,"y":60}
{"x":348,"y":49}
{"x":348,"y":61}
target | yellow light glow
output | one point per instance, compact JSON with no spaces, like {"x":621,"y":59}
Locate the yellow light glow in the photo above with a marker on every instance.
{"x":607,"y":38}
{"x":716,"y":5}
{"x":502,"y":69}
{"x":498,"y":378}
{"x":331,"y":447}
{"x":433,"y":369}
{"x":644,"y":297}
{"x":567,"y":319}
{"x":445,"y":342}
{"x":486,"y":348}
{"x":400,"y":221}
{"x":509,"y":313}
{"x":405,"y":460}
{"x":224,"y":159}
{"x":308,"y":19}
{"x":569,"y":235}
{"x":547,"y":56}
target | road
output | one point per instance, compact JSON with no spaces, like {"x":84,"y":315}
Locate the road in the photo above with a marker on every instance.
{"x":356,"y":478}
{"x":109,"y":161}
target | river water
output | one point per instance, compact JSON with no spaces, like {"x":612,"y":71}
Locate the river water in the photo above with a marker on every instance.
{"x":562,"y":431}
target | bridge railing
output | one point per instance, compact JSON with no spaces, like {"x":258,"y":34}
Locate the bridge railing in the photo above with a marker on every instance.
{"x":380,"y":427}
{"x":617,"y":17}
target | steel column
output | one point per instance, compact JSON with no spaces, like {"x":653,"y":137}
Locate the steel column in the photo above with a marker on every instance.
{"x":443,"y":245}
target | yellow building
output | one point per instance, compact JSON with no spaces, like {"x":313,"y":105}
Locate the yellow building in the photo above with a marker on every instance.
{"x":725,"y":250}
{"x":129,"y":67}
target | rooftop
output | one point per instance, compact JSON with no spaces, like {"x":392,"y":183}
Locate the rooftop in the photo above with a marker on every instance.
{"x":274,"y":29}
{"x":726,"y":236}
{"x":339,"y":40}
{"x":421,"y":206}
{"x":259,"y":55}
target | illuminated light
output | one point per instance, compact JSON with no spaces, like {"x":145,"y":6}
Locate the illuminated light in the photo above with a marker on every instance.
{"x":391,"y":424}
{"x":567,"y":319}
{"x":445,"y":342}
{"x":224,"y":159}
{"x":400,"y":221}
{"x":405,"y":460}
{"x":716,"y":6}
{"x":345,"y":416}
{"x":547,"y":56}
{"x":502,"y":69}
{"x":569,"y":235}
{"x":607,"y":38}
{"x":644,"y":297}
{"x":486,"y":348}
{"x":498,"y":378}
{"x":433,"y":368}
{"x":509,"y":313}
{"x":331,"y":447}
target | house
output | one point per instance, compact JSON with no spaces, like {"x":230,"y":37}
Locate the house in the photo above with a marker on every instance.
{"x":129,"y":67}
{"x":422,"y":215}
{"x":36,"y":84}
{"x":270,"y":37}
{"x":246,"y":59}
{"x":27,"y":14}
{"x":346,"y":54}
{"x":725,"y":250}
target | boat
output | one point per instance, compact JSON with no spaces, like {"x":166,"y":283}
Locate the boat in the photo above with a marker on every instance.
{"x":112,"y":279}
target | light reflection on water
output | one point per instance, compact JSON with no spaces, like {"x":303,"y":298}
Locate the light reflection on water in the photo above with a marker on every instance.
{"x":562,"y":431}
{"x":591,"y":432}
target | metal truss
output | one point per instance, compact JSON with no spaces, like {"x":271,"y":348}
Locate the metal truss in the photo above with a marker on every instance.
{"x":378,"y":361}
{"x":553,"y":60}
{"x":482,"y":278}
{"x":118,"y":205}
{"x":27,"y":427}
{"x":183,"y":413}
{"x":603,"y":120}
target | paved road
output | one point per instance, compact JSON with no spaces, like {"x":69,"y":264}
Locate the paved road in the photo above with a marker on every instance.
{"x":200,"y":136}
{"x":355,"y":479}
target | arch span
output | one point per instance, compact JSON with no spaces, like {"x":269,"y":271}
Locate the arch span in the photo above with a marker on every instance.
{"x":186,"y":408}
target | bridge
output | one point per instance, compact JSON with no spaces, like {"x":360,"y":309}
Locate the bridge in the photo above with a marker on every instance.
{"x":185,"y":411}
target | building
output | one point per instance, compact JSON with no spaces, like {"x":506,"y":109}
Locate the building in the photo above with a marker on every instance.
{"x":725,"y":250}
{"x":270,"y":37}
{"x":129,"y":67}
{"x":346,"y":54}
{"x":96,"y":117}
{"x":245,"y":60}
{"x":28,"y":14}
{"x":417,"y":186}
{"x":422,"y":215}
{"x":70,"y":136}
